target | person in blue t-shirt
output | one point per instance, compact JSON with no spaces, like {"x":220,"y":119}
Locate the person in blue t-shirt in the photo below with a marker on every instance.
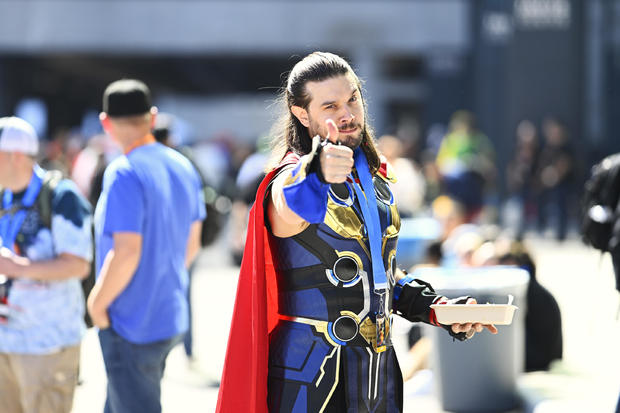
{"x":45,"y":250}
{"x":147,"y":229}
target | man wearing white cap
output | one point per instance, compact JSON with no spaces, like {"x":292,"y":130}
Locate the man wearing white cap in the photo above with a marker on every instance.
{"x":46,"y":247}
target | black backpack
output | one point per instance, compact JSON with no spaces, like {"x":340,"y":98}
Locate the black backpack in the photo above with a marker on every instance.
{"x":44,"y":206}
{"x":216,"y":206}
{"x":600,"y":198}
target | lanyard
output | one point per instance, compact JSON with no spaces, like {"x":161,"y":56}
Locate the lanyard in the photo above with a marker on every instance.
{"x":11,"y":223}
{"x":368,"y":203}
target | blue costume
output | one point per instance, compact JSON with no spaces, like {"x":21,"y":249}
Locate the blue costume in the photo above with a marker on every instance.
{"x":331,"y":348}
{"x":311,"y":326}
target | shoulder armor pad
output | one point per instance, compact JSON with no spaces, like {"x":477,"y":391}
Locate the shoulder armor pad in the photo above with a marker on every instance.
{"x":289,"y":159}
{"x":386,"y":171}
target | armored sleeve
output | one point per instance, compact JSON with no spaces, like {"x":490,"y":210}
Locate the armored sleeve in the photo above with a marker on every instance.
{"x":305,"y":190}
{"x":413,"y":299}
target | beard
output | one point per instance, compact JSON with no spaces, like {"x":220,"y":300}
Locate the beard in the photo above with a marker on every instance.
{"x":352,"y":140}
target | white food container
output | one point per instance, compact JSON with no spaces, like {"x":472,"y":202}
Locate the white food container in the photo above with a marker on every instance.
{"x":499,"y":314}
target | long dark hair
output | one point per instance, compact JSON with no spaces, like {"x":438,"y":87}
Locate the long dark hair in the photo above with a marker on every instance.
{"x":288,"y":132}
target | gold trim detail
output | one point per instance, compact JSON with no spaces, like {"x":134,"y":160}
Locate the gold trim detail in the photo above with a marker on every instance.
{"x":343,"y":220}
{"x":368,"y":330}
{"x":351,"y":314}
{"x":331,"y":392}
{"x":323,"y":365}
{"x":353,"y":255}
{"x":395,"y":217}
{"x":390,"y":173}
{"x":389,"y":233}
{"x":301,"y":173}
{"x":319,"y":325}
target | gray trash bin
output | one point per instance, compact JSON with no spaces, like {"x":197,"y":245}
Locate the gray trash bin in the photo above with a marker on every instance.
{"x":479,"y":375}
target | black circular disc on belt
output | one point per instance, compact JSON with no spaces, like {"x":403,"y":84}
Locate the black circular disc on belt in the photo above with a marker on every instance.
{"x":345,"y":269}
{"x":382,"y":189}
{"x":341,"y":191}
{"x":345,"y":328}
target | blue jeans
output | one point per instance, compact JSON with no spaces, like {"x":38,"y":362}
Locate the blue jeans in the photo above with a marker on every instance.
{"x":134,"y":372}
{"x":188,"y":339}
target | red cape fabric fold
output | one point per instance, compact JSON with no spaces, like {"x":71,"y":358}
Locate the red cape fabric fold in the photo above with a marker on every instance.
{"x":244,"y":380}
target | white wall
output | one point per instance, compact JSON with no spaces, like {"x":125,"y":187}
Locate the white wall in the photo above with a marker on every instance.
{"x":186,"y":26}
{"x":245,"y":116}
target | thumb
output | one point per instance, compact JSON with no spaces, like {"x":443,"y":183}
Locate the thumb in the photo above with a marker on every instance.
{"x":332,"y":131}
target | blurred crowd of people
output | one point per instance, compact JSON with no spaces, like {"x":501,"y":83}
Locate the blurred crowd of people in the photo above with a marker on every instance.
{"x":535,"y":188}
{"x":464,"y":244}
{"x":455,"y":182}
{"x":455,"y":179}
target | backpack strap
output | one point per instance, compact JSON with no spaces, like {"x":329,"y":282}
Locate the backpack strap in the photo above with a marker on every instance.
{"x":10,"y":211}
{"x":44,"y":200}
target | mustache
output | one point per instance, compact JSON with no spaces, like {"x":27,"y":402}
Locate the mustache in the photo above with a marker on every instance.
{"x":350,"y":126}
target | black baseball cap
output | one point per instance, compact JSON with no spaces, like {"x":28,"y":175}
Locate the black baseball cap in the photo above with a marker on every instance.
{"x":126,"y":97}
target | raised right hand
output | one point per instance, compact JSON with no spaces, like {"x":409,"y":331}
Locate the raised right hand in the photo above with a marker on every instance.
{"x":336,"y":160}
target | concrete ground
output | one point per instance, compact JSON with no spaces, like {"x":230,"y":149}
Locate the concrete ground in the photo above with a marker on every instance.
{"x":586,"y":380}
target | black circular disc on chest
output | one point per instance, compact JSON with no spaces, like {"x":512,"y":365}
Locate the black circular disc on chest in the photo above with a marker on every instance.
{"x":340,"y":191}
{"x":382,"y":189}
{"x":345,"y":269}
{"x":345,"y":328}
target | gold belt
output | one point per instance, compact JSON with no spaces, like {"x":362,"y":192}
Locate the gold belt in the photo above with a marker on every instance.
{"x":367,"y":329}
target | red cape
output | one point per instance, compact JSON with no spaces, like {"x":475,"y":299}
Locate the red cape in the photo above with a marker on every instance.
{"x":244,"y":379}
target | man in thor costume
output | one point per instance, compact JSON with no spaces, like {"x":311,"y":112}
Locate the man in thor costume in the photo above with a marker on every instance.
{"x":319,"y":283}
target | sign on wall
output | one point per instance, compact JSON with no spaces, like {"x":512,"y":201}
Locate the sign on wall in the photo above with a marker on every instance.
{"x":542,"y":14}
